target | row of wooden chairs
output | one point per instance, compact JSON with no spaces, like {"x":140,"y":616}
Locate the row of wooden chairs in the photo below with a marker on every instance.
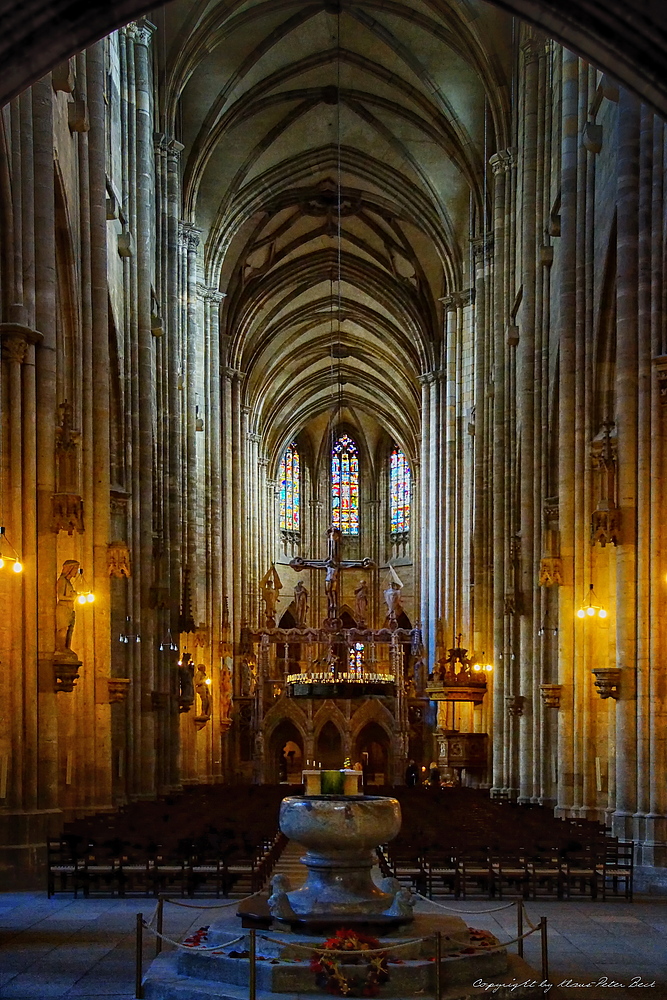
{"x":100,"y":873}
{"x":597,"y":871}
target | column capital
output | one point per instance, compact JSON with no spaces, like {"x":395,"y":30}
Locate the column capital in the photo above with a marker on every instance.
{"x":532,"y":46}
{"x":430,"y":378}
{"x":210,"y":294}
{"x":15,"y":338}
{"x":188,"y":236}
{"x":482,"y":247}
{"x":233,"y":374}
{"x":165,"y":145}
{"x":141,"y":31}
{"x":458,"y":300}
{"x":501,"y":161}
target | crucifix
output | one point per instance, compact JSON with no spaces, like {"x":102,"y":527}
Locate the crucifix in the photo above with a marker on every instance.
{"x":332,"y":565}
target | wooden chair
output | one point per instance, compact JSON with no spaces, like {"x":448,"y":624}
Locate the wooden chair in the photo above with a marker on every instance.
{"x":545,"y":875}
{"x":580,"y":873}
{"x":477,"y":876}
{"x":616,"y":870}
{"x":443,"y":873}
{"x":510,"y":872}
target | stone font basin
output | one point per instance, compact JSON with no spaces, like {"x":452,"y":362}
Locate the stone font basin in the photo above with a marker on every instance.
{"x":339,"y":833}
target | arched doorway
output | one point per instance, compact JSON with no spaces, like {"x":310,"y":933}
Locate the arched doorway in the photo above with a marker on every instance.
{"x":372,"y":749}
{"x":329,"y":748}
{"x":285,"y":761}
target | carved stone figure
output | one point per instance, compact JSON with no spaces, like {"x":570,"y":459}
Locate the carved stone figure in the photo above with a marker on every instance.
{"x":278,"y":901}
{"x":226,"y":688}
{"x":186,"y":672}
{"x":403,"y":905}
{"x":300,"y":602}
{"x":248,"y":676}
{"x":331,"y":587}
{"x":392,"y":596}
{"x":201,"y":685}
{"x":270,"y":587}
{"x":361,"y":602}
{"x":65,"y":617}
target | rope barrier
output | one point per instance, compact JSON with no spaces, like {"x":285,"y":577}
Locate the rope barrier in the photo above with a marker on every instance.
{"x":453,"y":909}
{"x":347,"y":951}
{"x":216,"y":906}
{"x":528,"y":920}
{"x":193,"y":947}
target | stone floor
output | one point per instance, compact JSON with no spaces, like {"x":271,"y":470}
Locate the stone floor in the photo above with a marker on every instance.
{"x":84,"y":948}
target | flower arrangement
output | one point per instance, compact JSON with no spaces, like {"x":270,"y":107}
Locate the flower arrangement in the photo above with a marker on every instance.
{"x":326,"y":964}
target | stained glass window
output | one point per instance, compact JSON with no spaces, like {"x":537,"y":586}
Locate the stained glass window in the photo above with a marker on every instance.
{"x":345,"y":486}
{"x":399,"y":492}
{"x":290,"y":492}
{"x":356,"y":657}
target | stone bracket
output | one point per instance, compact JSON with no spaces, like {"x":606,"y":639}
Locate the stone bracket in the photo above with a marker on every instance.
{"x":551,"y":695}
{"x":608,"y":681}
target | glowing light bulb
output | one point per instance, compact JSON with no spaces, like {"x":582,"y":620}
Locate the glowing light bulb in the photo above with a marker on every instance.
{"x":590,"y":612}
{"x":17,"y":567}
{"x":581,"y":613}
{"x":602,"y":613}
{"x":2,"y":563}
{"x":477,"y":667}
{"x":208,"y":680}
{"x":90,"y":598}
{"x":81,"y":598}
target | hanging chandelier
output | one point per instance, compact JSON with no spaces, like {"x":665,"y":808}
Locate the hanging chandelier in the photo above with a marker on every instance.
{"x":590,"y":608}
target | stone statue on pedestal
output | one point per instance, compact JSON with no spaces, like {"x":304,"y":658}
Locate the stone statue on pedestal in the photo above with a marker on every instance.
{"x":361,"y":602}
{"x":202,"y":688}
{"x":270,"y":585}
{"x":392,"y":596}
{"x":300,"y":602}
{"x":65,"y":617}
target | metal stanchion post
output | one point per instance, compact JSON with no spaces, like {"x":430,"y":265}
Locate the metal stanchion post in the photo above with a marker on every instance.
{"x":160,"y":911}
{"x":545,"y":954}
{"x":253,"y":967}
{"x":519,"y":927}
{"x":438,"y":965}
{"x":138,"y":987}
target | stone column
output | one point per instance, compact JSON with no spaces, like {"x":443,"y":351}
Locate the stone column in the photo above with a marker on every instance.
{"x":45,"y":322}
{"x":500,"y":164}
{"x":627,"y":280}
{"x":190,"y":242}
{"x":140,"y":33}
{"x":427,"y":617}
{"x":567,"y":402}
{"x":98,"y":524}
{"x":525,"y":360}
{"x":655,"y":850}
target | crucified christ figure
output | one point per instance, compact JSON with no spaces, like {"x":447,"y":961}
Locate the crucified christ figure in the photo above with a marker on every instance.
{"x":332,"y":565}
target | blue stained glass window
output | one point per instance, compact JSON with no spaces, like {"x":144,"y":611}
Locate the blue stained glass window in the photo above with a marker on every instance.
{"x":345,"y":486}
{"x":290,"y":489}
{"x":399,"y":492}
{"x":356,"y":657}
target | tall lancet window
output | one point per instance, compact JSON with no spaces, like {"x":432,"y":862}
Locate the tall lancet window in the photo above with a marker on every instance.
{"x":399,"y":492}
{"x":290,"y":489}
{"x":345,"y":486}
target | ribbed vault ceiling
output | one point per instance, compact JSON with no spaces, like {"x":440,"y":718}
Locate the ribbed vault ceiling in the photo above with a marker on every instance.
{"x":334,"y":162}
